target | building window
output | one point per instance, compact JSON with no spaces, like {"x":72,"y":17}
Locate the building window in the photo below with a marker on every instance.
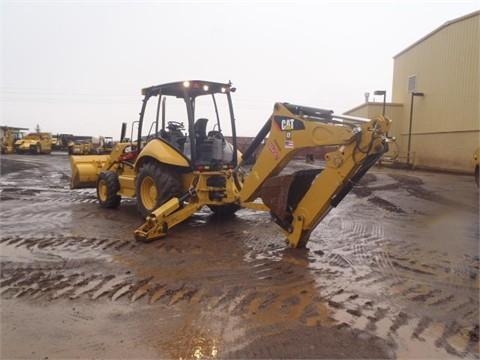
{"x":412,"y":83}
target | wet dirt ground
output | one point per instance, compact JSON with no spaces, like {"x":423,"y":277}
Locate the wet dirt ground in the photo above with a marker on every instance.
{"x":392,"y":272}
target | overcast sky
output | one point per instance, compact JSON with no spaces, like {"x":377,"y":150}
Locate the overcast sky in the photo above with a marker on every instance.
{"x":78,"y":66}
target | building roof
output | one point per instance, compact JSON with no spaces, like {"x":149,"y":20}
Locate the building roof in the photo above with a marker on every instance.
{"x":371,"y":103}
{"x":5,"y":127}
{"x":441,"y":27}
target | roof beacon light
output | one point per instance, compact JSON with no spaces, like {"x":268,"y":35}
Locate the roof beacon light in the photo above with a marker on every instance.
{"x":223,"y":89}
{"x":186,"y":84}
{"x":205,"y":87}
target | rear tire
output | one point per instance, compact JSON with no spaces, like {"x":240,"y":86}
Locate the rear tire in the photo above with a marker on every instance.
{"x":155,"y":185}
{"x":107,"y":188}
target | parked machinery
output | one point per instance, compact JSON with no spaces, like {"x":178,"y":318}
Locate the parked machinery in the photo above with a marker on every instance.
{"x":34,"y":143}
{"x":9,"y":135}
{"x":87,"y":145}
{"x":173,"y":174}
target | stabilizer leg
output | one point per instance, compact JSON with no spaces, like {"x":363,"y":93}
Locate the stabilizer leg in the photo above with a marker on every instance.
{"x":165,"y":217}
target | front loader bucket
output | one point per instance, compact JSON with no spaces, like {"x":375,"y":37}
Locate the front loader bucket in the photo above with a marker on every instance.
{"x":85,"y":170}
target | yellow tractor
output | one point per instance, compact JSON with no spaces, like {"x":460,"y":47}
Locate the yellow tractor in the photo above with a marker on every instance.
{"x":8,"y":138}
{"x":173,"y":171}
{"x":90,"y":145}
{"x":80,"y":147}
{"x":105,"y":145}
{"x":34,"y":143}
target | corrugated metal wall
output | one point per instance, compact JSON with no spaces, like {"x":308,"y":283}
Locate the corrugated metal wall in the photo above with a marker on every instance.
{"x":446,"y":121}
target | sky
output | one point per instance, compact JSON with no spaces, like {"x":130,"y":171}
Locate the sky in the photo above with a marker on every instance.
{"x":78,"y":66}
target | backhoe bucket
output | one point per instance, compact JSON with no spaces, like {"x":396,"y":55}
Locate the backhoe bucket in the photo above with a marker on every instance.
{"x":283,"y":193}
{"x":85,"y":170}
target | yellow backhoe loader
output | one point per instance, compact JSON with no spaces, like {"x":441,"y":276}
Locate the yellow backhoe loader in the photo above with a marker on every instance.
{"x":173,"y":173}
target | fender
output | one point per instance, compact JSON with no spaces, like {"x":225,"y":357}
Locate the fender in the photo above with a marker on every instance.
{"x":164,"y":153}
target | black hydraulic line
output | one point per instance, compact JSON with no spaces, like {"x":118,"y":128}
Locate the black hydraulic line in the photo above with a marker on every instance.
{"x":262,"y":134}
{"x":367,"y":164}
{"x":309,"y":111}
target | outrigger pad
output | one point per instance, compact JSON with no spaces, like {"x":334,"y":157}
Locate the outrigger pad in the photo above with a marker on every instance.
{"x":283,"y":193}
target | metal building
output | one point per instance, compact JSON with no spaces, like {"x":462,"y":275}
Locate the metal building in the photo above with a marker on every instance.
{"x":435,"y":97}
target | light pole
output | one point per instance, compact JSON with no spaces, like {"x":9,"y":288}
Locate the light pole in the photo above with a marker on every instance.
{"x":414,"y":93}
{"x":384,"y":93}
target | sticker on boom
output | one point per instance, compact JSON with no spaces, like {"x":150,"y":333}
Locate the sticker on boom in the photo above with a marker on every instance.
{"x":289,"y":124}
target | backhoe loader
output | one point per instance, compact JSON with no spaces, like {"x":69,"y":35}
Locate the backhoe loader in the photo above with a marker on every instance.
{"x":173,"y":172}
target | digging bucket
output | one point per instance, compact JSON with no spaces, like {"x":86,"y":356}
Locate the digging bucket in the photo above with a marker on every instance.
{"x":282,"y":194}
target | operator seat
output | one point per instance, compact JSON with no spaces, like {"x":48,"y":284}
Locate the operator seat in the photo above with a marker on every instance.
{"x":203,"y":146}
{"x":200,"y":128}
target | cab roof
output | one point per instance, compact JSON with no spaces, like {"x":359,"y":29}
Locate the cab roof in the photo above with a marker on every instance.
{"x":193,"y":88}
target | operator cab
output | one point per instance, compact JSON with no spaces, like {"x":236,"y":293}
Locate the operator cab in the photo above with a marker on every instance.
{"x":207,"y":113}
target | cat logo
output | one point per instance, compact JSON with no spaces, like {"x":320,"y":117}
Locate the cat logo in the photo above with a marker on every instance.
{"x":287,"y":124}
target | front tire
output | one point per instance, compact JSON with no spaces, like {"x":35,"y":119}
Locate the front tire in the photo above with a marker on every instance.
{"x":107,"y":188}
{"x":477,"y":176}
{"x":155,"y":185}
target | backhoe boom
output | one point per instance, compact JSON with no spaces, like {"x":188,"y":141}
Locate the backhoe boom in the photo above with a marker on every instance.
{"x":300,"y":200}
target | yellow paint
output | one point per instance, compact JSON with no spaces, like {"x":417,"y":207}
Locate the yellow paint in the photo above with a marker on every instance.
{"x":446,"y":121}
{"x":40,"y":143}
{"x":163,"y":153}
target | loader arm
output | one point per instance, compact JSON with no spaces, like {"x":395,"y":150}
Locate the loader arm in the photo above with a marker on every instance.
{"x":300,"y":200}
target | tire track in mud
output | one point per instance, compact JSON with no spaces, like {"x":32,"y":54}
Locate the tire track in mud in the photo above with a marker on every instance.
{"x":360,"y":257}
{"x":58,"y":242}
{"x":354,"y":309}
{"x":405,"y":285}
{"x":282,"y":292}
{"x":361,"y":246}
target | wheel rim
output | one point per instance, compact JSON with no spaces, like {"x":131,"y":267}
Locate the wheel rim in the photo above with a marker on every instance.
{"x":102,"y":190}
{"x":148,"y":193}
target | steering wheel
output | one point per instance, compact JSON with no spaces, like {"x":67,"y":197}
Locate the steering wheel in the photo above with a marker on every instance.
{"x":174,"y":125}
{"x":215,"y":134}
